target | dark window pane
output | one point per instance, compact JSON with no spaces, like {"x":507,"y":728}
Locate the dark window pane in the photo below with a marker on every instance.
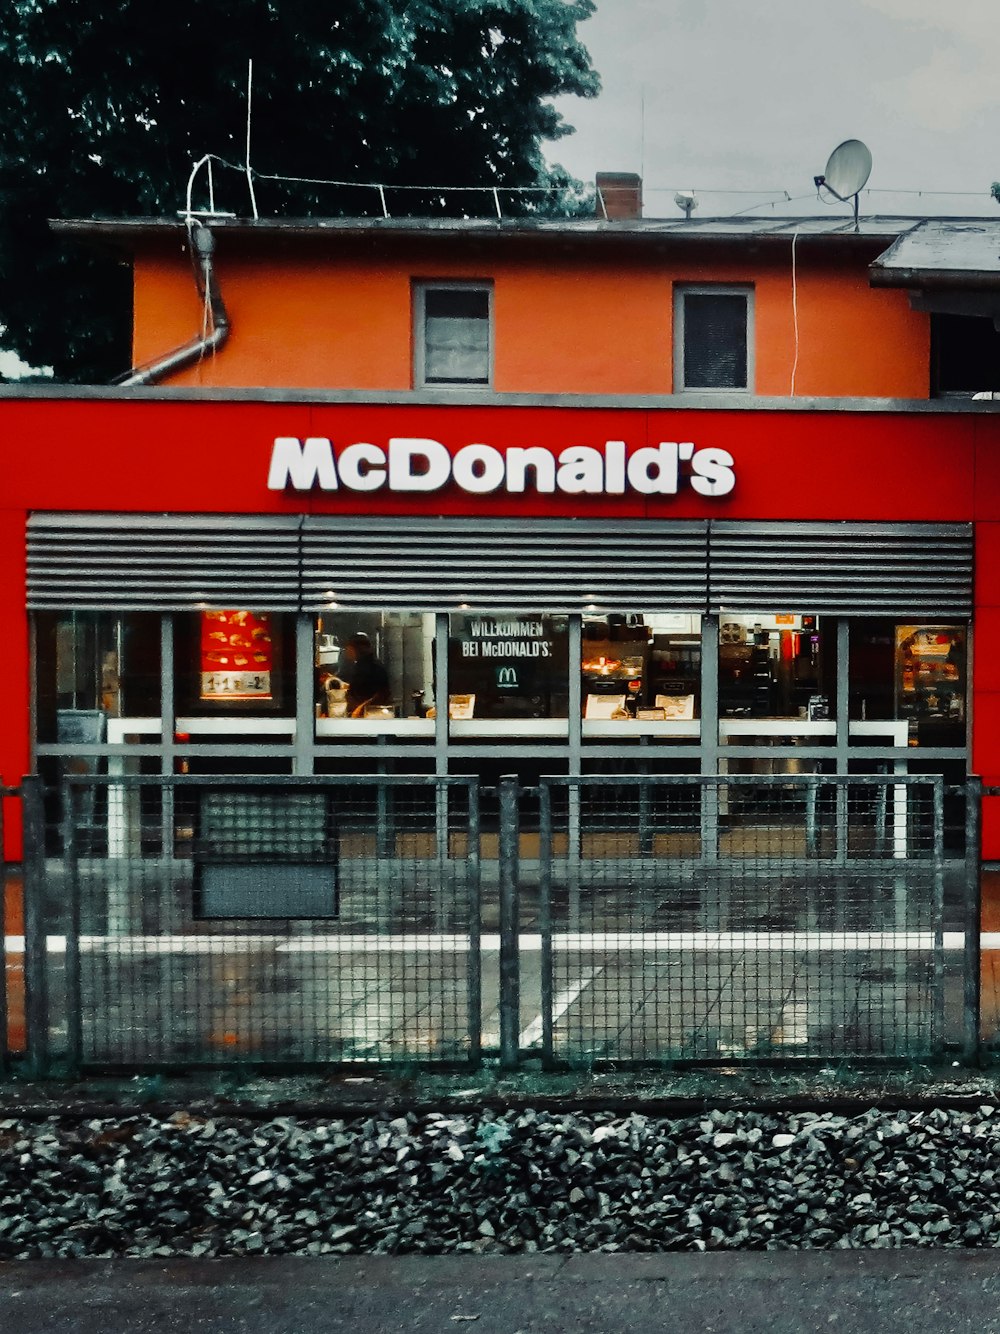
{"x":456,"y":336}
{"x":967,"y":354}
{"x":508,"y":666}
{"x":715,"y":341}
{"x":456,"y":303}
{"x":92,"y":666}
{"x":912,"y":674}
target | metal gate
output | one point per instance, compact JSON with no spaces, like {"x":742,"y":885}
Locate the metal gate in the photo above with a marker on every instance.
{"x":271,"y":921}
{"x":753,"y":916}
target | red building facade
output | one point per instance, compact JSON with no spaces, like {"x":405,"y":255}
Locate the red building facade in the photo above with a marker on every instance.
{"x":643,"y":556}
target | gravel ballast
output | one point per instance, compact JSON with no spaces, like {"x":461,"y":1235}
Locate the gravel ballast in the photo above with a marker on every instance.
{"x":519,"y":1181}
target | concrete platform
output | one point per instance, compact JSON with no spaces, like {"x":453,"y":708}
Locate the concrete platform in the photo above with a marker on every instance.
{"x":745,"y":1292}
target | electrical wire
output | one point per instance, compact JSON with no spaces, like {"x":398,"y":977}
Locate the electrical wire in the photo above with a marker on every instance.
{"x":251,"y":175}
{"x":253,"y":197}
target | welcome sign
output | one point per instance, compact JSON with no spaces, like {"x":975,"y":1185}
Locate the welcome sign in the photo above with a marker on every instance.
{"x":411,"y":464}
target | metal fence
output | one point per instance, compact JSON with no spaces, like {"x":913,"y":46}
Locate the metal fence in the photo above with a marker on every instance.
{"x":751,"y":916}
{"x":290,"y":922}
{"x":634,"y":919}
{"x":11,"y":983}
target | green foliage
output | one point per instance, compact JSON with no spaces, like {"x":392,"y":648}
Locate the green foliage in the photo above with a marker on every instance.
{"x":995,"y":191}
{"x":104,"y":109}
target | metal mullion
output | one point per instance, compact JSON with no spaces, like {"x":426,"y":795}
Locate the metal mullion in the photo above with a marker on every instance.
{"x":168,"y":723}
{"x":574,"y":739}
{"x":441,"y":693}
{"x":305,"y":711}
{"x":842,"y":735}
{"x":709,"y":748}
{"x":168,"y":720}
{"x":441,"y":722}
{"x":575,"y":705}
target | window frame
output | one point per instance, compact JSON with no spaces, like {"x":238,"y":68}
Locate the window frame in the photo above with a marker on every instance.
{"x":301,"y":744}
{"x":420,"y":288}
{"x":683,"y":290}
{"x":938,"y":337}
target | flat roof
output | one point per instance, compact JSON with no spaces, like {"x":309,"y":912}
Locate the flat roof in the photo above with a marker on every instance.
{"x":942,"y":252}
{"x":130,"y":231}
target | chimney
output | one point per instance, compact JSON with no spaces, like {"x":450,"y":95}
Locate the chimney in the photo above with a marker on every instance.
{"x":619,"y":195}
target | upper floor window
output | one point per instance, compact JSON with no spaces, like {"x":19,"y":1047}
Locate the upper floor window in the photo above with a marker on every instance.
{"x":713,"y":338}
{"x":453,"y":335}
{"x":965,"y":355}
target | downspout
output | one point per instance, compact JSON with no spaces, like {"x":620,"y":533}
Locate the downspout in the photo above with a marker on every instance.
{"x":202,"y":250}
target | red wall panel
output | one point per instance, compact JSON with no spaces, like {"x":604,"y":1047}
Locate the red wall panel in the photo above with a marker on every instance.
{"x":14,"y":683}
{"x":153,"y":455}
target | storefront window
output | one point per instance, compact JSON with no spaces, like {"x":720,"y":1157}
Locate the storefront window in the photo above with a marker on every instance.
{"x":643,"y":666}
{"x":233,"y":661}
{"x":374,"y":666}
{"x":508,"y":666}
{"x":92,"y":667}
{"x":776,"y":666}
{"x":912,"y":678}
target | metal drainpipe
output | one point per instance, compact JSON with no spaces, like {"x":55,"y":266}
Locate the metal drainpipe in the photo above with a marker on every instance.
{"x":202,"y":248}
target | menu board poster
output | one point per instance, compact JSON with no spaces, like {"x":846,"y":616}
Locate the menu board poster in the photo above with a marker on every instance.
{"x":236,"y":655}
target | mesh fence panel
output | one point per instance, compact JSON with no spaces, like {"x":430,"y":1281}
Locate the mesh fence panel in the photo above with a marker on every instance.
{"x":284,"y":921}
{"x":742,"y":917}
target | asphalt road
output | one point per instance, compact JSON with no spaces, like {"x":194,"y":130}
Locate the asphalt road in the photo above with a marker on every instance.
{"x":776,"y":1293}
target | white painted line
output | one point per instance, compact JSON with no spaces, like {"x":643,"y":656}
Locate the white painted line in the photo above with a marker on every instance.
{"x":532,"y":1035}
{"x":651,"y":942}
{"x":725,"y":942}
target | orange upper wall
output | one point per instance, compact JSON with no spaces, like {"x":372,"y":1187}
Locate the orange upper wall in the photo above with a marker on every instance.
{"x":564,"y":322}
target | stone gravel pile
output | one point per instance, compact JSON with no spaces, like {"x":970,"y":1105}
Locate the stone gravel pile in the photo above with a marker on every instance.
{"x":518,"y":1181}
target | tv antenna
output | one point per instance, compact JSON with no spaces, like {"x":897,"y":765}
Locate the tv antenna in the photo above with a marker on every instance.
{"x":847,"y":172}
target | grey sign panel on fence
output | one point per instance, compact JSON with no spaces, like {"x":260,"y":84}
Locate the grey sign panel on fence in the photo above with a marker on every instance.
{"x":246,"y":891}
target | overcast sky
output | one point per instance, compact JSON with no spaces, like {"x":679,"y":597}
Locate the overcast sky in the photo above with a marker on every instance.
{"x":752,"y":95}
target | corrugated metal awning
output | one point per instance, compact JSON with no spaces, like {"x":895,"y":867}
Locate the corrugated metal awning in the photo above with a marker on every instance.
{"x":316,"y":562}
{"x":555,"y":565}
{"x":847,"y":569}
{"x":163,"y":562}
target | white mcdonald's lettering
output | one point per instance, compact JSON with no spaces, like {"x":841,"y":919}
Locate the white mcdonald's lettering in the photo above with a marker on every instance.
{"x":415,"y":464}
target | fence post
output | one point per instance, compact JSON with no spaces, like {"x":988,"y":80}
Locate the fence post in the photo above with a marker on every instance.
{"x":474,"y":910}
{"x":972,"y":982}
{"x":36,"y":1001}
{"x":74,"y":1016}
{"x":937,"y":816}
{"x":545,"y":916}
{"x":510,"y":964}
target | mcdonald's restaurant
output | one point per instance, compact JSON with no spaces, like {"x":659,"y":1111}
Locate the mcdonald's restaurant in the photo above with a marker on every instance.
{"x":255,"y":584}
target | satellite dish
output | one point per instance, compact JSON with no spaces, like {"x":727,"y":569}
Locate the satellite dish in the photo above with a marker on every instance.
{"x":847,"y":172}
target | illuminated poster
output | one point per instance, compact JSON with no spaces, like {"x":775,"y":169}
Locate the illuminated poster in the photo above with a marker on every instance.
{"x":236,"y":655}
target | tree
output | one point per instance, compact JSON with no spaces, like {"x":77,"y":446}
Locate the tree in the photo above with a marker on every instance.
{"x":104,"y":109}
